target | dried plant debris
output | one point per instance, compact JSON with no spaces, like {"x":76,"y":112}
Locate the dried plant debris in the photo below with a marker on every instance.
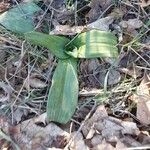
{"x":101,"y":126}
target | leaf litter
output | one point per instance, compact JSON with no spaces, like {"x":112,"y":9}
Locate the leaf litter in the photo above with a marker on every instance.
{"x":123,"y":122}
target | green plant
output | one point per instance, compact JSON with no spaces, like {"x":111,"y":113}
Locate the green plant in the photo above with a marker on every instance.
{"x":63,"y":94}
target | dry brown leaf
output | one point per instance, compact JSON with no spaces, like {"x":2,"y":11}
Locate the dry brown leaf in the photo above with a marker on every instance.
{"x":67,"y":30}
{"x":99,"y":114}
{"x":2,"y":73}
{"x":104,"y":146}
{"x":2,"y":55}
{"x":145,"y":3}
{"x":130,"y":142}
{"x":132,"y":71}
{"x":78,"y":142}
{"x":32,"y":135}
{"x":34,"y":82}
{"x":93,"y":64}
{"x":90,"y":92}
{"x":114,"y":77}
{"x":18,"y":114}
{"x":5,"y":93}
{"x":97,"y":7}
{"x":42,"y":118}
{"x":9,"y":130}
{"x":144,"y":87}
{"x":4,"y":6}
{"x":101,"y":24}
{"x":109,"y":128}
{"x":96,"y":140}
{"x":131,"y":25}
{"x":143,"y":109}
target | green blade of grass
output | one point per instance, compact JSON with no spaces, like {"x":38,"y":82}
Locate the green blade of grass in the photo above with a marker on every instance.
{"x":63,"y":94}
{"x":55,"y":44}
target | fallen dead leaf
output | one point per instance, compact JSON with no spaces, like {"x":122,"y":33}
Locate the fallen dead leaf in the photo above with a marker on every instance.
{"x":18,"y":114}
{"x":99,"y":114}
{"x":143,"y":109}
{"x":109,"y":128}
{"x":5,"y":93}
{"x":95,"y":11}
{"x":4,"y":6}
{"x":93,"y":64}
{"x":145,"y":3}
{"x":104,"y":146}
{"x":130,"y":142}
{"x":132,"y":24}
{"x":67,"y":30}
{"x":97,"y":7}
{"x":96,"y":140}
{"x":90,"y":92}
{"x":6,"y":132}
{"x":114,"y":77}
{"x":34,"y":82}
{"x":2,"y":73}
{"x":132,"y":71}
{"x":33,"y":135}
{"x":2,"y":55}
{"x":101,"y":24}
{"x":78,"y":142}
{"x":144,"y":87}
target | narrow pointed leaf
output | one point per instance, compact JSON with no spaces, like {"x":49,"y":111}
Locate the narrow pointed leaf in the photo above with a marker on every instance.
{"x":55,"y":44}
{"x":93,"y":44}
{"x":20,"y":18}
{"x":63,"y":94}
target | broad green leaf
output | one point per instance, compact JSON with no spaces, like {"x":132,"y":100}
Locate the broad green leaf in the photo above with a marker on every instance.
{"x":55,"y":44}
{"x":93,"y":44}
{"x":95,"y":36}
{"x":63,"y":94}
{"x":20,"y":18}
{"x":94,"y":50}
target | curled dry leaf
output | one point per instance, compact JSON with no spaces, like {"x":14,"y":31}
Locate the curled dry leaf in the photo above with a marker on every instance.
{"x":90,"y":92}
{"x":67,"y":30}
{"x":34,"y":82}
